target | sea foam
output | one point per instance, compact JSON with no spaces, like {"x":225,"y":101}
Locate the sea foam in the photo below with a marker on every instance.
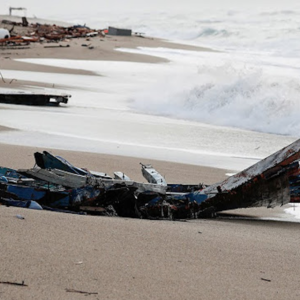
{"x":214,"y":88}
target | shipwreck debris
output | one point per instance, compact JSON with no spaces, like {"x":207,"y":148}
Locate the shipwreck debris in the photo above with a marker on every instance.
{"x":57,"y":46}
{"x":121,"y":176}
{"x":24,"y":98}
{"x":56,"y":184}
{"x":4,"y":33}
{"x":16,"y":8}
{"x":20,"y":217}
{"x":151,"y":175}
{"x":119,"y":31}
{"x":44,"y":33}
{"x":266,"y":183}
{"x":264,"y":279}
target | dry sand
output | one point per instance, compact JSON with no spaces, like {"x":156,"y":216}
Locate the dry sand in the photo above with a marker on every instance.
{"x":225,"y":258}
{"x":141,"y":259}
{"x":104,"y":49}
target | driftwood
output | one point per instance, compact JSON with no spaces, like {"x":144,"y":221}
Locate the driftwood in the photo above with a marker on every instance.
{"x":57,"y":46}
{"x":264,"y":279}
{"x":14,"y":47}
{"x":81,"y":292}
{"x":14,"y":283}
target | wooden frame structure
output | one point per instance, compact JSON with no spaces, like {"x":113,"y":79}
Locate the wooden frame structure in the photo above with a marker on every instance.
{"x":16,"y":8}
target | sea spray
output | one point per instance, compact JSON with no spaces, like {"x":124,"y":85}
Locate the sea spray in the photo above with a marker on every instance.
{"x":246,"y":97}
{"x":271,"y":31}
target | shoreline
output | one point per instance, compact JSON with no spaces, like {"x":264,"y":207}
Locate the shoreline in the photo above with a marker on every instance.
{"x":104,"y":48}
{"x":243,"y":254}
{"x":88,"y":48}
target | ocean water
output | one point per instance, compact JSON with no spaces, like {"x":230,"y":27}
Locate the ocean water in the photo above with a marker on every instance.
{"x":252,"y":83}
{"x":227,"y":108}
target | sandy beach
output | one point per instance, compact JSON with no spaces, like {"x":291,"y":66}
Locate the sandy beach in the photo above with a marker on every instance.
{"x":243,"y":254}
{"x":92,"y":48}
{"x":114,"y":258}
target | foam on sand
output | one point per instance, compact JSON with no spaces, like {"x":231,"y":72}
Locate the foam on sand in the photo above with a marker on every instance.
{"x":294,"y":210}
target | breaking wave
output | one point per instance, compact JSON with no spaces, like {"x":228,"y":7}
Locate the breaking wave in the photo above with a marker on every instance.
{"x":271,"y":31}
{"x":213,"y":32}
{"x":228,"y":97}
{"x":220,"y":95}
{"x":280,"y":13}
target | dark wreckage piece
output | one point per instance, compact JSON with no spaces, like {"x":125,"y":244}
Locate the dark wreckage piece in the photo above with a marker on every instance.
{"x":58,"y":184}
{"x":265,"y":183}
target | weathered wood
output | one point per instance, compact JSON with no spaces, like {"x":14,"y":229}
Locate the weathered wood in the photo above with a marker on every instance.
{"x":81,"y":292}
{"x":14,"y":283}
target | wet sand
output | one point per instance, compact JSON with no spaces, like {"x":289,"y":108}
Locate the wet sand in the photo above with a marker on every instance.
{"x":20,"y":157}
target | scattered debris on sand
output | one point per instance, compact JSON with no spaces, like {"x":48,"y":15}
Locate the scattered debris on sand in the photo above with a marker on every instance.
{"x":23,"y":33}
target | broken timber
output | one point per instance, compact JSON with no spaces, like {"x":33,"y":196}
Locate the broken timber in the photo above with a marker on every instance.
{"x":266,"y":183}
{"x":14,"y":283}
{"x":60,"y":177}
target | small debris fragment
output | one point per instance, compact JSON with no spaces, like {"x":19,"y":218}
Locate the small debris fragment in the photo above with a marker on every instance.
{"x":20,"y":217}
{"x":57,"y":46}
{"x":264,"y":279}
{"x":81,"y":292}
{"x":14,"y":283}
